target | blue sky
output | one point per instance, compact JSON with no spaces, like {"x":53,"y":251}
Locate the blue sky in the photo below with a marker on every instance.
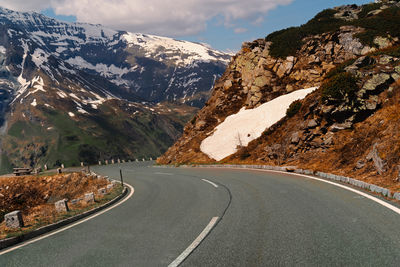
{"x":229,"y":36}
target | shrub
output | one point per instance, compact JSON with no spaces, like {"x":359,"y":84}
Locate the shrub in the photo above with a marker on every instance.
{"x":368,"y":8}
{"x":339,"y":87}
{"x":339,"y":69}
{"x":393,"y":51}
{"x":288,"y":41}
{"x":87,"y":154}
{"x":293,"y":109}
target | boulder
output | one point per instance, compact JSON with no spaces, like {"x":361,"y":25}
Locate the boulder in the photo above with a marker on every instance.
{"x":227,"y":84}
{"x":328,"y":140}
{"x":289,"y":88}
{"x":360,"y":164}
{"x":312,"y":124}
{"x":200,"y":124}
{"x":385,"y":59}
{"x":382,"y":42}
{"x":378,"y":162}
{"x":254,"y":89}
{"x":341,"y":126}
{"x":349,"y":43}
{"x":397,"y":179}
{"x":395,"y":76}
{"x":364,"y":61}
{"x":285,"y":68}
{"x":295,"y":138}
{"x":377,"y":81}
{"x":372,"y":103}
{"x":261,"y":81}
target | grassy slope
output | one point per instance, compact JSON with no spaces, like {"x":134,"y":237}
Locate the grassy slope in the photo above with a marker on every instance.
{"x":110,"y":133}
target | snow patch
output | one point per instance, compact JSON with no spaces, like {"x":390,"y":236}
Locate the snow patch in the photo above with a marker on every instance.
{"x":103,"y":69}
{"x":74,"y":96}
{"x":159,"y":46}
{"x":39,"y":57}
{"x":23,"y":82}
{"x":34,"y":103}
{"x":71,"y":114}
{"x":2,"y":49}
{"x":62,"y":94}
{"x":81,"y":110}
{"x":243,"y":127}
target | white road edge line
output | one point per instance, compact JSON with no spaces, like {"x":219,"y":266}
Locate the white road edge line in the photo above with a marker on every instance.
{"x":71,"y":225}
{"x":381,"y":202}
{"x":194,"y":244}
{"x":213,"y":184}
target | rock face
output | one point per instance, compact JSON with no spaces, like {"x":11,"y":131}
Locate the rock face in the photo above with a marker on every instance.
{"x":350,"y":124}
{"x":378,"y":162}
{"x":254,"y":77}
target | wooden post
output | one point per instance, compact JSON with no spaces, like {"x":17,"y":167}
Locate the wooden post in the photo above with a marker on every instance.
{"x":122,"y":180}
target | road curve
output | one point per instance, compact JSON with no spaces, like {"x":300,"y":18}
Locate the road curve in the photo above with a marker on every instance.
{"x":259,"y":219}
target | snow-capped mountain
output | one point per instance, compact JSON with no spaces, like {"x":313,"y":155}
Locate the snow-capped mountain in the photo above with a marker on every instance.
{"x":85,"y":71}
{"x":151,"y":67}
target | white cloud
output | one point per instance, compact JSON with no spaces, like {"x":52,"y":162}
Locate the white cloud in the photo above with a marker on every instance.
{"x":240,"y":30}
{"x":23,"y":5}
{"x":163,"y":17}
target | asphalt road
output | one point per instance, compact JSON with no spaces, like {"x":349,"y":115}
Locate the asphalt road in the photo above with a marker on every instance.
{"x":265,"y":219}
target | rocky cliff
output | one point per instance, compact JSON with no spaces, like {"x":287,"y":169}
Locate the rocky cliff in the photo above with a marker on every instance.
{"x":349,"y":124}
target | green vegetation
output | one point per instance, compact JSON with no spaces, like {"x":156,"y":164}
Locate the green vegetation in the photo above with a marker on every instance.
{"x":293,"y":109}
{"x":288,"y":41}
{"x":108,"y":133}
{"x":391,"y":51}
{"x":339,"y":69}
{"x":340,"y":87}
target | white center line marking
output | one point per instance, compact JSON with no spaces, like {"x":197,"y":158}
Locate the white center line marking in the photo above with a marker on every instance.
{"x":163,"y":173}
{"x":213,"y":184}
{"x":195,"y":243}
{"x":71,"y":225}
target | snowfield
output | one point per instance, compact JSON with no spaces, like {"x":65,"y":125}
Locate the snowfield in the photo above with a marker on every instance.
{"x":243,"y":127}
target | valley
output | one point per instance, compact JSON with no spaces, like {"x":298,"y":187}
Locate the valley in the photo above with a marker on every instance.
{"x":75,"y":92}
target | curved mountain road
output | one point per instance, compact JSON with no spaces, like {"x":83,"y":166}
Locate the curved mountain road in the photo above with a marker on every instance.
{"x":258,"y":219}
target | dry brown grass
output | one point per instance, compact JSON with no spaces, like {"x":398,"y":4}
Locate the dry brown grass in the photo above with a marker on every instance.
{"x":35,"y":197}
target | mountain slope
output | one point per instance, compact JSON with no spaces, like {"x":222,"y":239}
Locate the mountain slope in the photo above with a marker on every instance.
{"x":72,"y":92}
{"x":349,"y":124}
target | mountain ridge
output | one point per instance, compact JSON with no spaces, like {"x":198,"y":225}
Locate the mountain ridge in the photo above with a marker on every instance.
{"x":101,"y":84}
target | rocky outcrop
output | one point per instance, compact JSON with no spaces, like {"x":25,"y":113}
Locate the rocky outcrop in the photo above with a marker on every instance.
{"x":254,"y":77}
{"x":350,"y":127}
{"x":263,"y":77}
